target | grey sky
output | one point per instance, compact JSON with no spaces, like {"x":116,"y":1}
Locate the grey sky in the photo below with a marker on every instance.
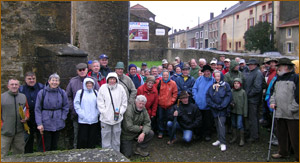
{"x":182,"y":14}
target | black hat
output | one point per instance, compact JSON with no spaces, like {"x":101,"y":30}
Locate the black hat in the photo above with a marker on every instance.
{"x":252,"y":61}
{"x":183,"y":94}
{"x":207,"y":67}
{"x":144,"y":64}
{"x":285,"y":61}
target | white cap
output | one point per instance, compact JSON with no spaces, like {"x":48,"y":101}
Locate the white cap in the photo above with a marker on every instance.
{"x":214,"y":61}
{"x":242,"y":61}
{"x":177,"y":58}
{"x":227,"y":60}
{"x":164,"y":61}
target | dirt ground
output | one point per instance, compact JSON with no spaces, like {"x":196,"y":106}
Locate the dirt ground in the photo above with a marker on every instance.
{"x":202,"y":151}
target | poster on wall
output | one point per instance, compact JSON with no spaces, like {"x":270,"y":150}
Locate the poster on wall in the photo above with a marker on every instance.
{"x":139,"y":31}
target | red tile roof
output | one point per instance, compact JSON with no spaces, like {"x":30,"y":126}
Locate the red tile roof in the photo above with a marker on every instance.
{"x":138,"y":7}
{"x":291,"y":23}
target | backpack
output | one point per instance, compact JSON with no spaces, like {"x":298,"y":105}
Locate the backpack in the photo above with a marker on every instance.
{"x":81,"y":94}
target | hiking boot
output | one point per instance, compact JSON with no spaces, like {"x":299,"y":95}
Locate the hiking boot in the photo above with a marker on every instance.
{"x":216,"y":143}
{"x":234,"y":136}
{"x":223,"y":147}
{"x":140,"y":152}
{"x":242,"y":139}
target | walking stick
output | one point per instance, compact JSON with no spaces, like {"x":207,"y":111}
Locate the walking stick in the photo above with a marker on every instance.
{"x":272,"y":128}
{"x":43,"y":140}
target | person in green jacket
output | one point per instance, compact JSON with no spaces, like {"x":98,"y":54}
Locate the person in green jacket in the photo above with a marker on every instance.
{"x":233,"y":73}
{"x":194,"y":69}
{"x":136,"y":127}
{"x":239,"y":110}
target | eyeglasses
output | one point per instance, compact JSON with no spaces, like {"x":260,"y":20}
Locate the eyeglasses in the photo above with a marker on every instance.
{"x":81,"y":69}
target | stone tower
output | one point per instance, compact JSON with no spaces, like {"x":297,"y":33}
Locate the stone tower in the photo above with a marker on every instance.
{"x":101,"y":27}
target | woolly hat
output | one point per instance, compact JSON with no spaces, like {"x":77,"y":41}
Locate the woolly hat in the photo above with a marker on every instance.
{"x":132,"y":65}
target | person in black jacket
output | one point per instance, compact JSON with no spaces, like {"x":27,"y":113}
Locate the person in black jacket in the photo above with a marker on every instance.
{"x":188,"y":118}
{"x":31,"y":89}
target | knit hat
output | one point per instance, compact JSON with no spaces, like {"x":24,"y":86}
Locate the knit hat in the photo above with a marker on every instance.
{"x":183,"y":94}
{"x":90,"y":62}
{"x":132,"y":65}
{"x":120,"y":65}
{"x":207,"y":67}
{"x":151,"y":78}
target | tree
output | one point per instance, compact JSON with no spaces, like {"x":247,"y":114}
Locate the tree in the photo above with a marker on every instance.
{"x":258,"y":37}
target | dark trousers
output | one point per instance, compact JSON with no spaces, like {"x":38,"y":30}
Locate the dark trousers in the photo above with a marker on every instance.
{"x":288,"y":130}
{"x":30,"y":140}
{"x":87,"y":135}
{"x":127,"y":145}
{"x":50,"y":140}
{"x":253,"y":120}
{"x":207,"y":123}
{"x":162,"y":115}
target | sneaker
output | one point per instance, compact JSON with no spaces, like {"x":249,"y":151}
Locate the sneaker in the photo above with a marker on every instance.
{"x":216,"y":143}
{"x":223,"y":147}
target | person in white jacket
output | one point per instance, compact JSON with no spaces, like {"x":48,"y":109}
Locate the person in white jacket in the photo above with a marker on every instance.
{"x":85,"y":105}
{"x":112,"y":104}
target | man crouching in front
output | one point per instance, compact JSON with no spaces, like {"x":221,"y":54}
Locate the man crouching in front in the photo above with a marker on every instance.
{"x":136,"y":126}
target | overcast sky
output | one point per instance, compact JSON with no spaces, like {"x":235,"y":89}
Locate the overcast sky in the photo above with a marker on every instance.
{"x":182,"y":14}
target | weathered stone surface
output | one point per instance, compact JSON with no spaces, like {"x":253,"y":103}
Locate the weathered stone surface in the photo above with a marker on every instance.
{"x":101,"y":27}
{"x":76,"y":155}
{"x":26,"y":24}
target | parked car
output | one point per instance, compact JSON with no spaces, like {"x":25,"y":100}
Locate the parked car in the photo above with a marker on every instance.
{"x":211,"y":49}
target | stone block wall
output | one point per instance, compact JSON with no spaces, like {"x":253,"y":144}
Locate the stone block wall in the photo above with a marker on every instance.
{"x":24,"y":26}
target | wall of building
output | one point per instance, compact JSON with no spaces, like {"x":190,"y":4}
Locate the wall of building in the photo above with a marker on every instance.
{"x":154,"y":40}
{"x":289,"y":10}
{"x":282,"y":42}
{"x":25,"y":25}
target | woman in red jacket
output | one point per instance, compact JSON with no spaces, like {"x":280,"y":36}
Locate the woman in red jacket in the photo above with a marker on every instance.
{"x":151,"y":94}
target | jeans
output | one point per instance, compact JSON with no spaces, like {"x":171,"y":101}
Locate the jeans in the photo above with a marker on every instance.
{"x":162,"y":119}
{"x":187,"y":134}
{"x":237,"y":121}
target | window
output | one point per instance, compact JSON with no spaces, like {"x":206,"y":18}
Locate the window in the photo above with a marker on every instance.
{"x":201,"y":34}
{"x":264,"y":7}
{"x":237,"y":16}
{"x":270,"y":5}
{"x":206,"y":34}
{"x":197,"y":45}
{"x":201,"y":45}
{"x":290,"y":47}
{"x":264,"y":18}
{"x":250,"y":22}
{"x":197,"y":35}
{"x":224,"y":21}
{"x":240,"y":44}
{"x":251,"y":12}
{"x":289,"y":32}
{"x":230,"y":45}
{"x":269,"y":18}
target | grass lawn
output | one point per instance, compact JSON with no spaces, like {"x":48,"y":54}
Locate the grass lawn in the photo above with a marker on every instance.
{"x":149,"y":63}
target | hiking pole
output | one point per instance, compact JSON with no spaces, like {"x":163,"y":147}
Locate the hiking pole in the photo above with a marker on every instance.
{"x":43,"y":140}
{"x":272,"y":128}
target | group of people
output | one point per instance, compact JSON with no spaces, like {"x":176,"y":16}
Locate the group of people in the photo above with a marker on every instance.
{"x":129,"y":109}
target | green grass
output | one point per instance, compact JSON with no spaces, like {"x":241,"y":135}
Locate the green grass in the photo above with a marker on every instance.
{"x":149,"y":63}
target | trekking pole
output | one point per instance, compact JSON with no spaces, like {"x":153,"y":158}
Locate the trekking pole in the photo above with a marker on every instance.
{"x":43,"y":140}
{"x":272,"y":128}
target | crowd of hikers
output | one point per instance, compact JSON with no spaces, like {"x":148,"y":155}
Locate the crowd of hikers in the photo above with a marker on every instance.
{"x":124,"y":111}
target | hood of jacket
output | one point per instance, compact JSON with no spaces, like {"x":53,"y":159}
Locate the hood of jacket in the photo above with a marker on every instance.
{"x":114,"y":75}
{"x":232,"y":65}
{"x":87,"y":80}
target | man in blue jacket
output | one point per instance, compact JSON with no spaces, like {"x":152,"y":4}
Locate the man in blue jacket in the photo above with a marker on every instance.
{"x":31,"y":88}
{"x":185,"y":82}
{"x":199,"y":93}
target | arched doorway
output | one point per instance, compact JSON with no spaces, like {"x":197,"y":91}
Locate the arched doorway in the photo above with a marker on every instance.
{"x":224,"y":42}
